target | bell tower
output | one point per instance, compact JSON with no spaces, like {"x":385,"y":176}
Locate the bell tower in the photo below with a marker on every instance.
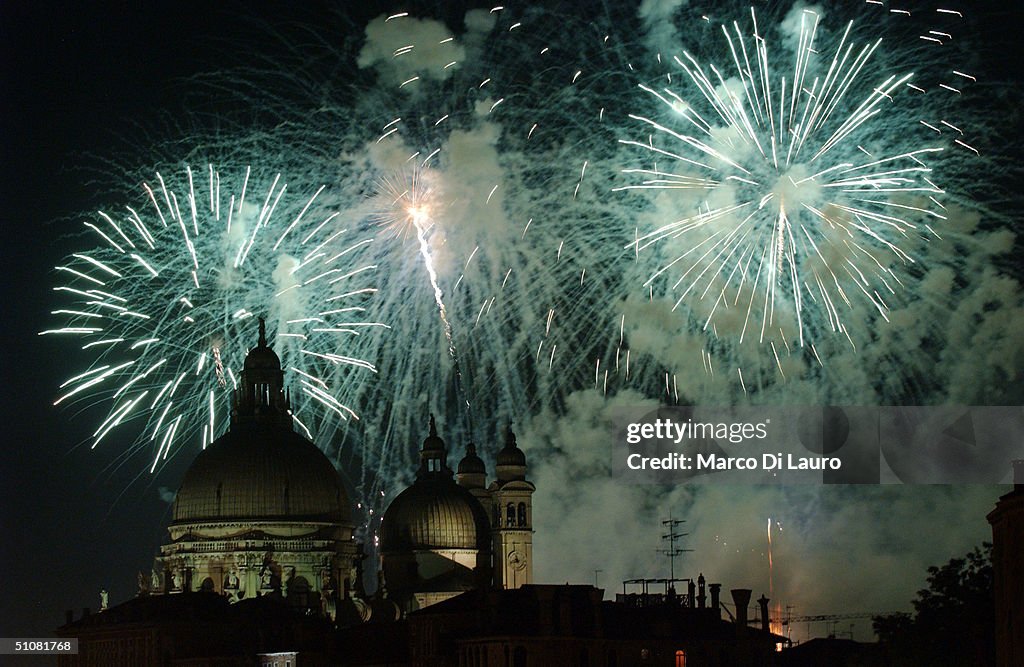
{"x":512,"y":517}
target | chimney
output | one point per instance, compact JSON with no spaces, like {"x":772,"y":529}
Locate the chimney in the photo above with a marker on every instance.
{"x":596,"y":596}
{"x":1018,"y":474}
{"x":702,"y":598}
{"x":741,"y":598}
{"x":691,"y":593}
{"x":545,"y":609}
{"x":765,"y":624}
{"x":715,"y":603}
{"x":565,"y":614}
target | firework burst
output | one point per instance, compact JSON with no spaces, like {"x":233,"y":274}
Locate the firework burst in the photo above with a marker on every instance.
{"x":794,"y":212}
{"x":163,"y":306}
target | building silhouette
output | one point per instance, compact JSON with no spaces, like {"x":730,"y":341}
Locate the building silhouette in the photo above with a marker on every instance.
{"x":1007,"y":521}
{"x":261,"y":567}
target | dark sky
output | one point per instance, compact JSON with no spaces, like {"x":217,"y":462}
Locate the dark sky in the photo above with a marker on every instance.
{"x":75,"y":79}
{"x":70,"y":72}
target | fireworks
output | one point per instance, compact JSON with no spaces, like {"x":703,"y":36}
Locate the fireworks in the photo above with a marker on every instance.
{"x":800,"y":207}
{"x":778,"y":206}
{"x":444,"y":152}
{"x":163,"y":305}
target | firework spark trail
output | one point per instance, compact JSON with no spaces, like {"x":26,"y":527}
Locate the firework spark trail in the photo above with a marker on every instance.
{"x":775,"y":619}
{"x":406,"y":203}
{"x":167,"y":294}
{"x":420,"y":219}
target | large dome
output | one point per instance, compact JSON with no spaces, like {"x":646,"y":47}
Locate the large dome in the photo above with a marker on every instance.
{"x":261,"y":472}
{"x":434,"y":513}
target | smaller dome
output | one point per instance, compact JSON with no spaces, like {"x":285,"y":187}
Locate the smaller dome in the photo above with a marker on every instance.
{"x":471,"y":463}
{"x":433,"y":442}
{"x":511,"y":455}
{"x":262,"y":356}
{"x":434,"y":513}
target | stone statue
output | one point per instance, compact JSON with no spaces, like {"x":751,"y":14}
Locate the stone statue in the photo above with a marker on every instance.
{"x":104,"y":599}
{"x":154,"y":580}
{"x":143,"y":584}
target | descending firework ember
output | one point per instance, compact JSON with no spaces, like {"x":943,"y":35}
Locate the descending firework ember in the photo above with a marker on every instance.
{"x":410,"y":207}
{"x":792,"y":206}
{"x":162,"y":305}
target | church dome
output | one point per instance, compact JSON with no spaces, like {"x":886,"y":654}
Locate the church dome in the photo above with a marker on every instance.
{"x":434,"y":513}
{"x":510,"y":454}
{"x":471,"y":464}
{"x":261,"y":472}
{"x":260,"y":358}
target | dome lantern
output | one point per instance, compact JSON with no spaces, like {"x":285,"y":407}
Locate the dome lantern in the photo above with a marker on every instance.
{"x":471,"y":473}
{"x":511,"y":463}
{"x":260,"y":393}
{"x":433,"y":454}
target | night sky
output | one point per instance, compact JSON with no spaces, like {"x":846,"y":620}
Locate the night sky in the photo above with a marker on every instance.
{"x":84,"y":85}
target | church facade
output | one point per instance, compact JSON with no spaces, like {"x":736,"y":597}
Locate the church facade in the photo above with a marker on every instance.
{"x":261,"y":511}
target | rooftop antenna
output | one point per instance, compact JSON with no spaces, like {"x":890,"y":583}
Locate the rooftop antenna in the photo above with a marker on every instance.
{"x":672,"y":536}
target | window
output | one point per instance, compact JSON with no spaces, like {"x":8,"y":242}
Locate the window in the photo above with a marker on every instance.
{"x":510,"y":515}
{"x":680,"y":658}
{"x":522,"y":515}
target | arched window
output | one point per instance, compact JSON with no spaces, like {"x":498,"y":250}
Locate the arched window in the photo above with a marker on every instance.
{"x":680,"y":658}
{"x":207,"y":585}
{"x":510,"y":515}
{"x":522,"y":515}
